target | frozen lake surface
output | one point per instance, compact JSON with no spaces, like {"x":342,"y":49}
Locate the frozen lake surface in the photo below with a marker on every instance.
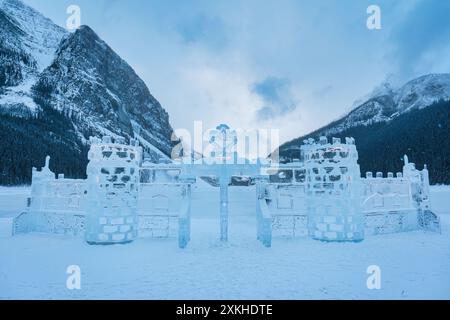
{"x":414,"y":265}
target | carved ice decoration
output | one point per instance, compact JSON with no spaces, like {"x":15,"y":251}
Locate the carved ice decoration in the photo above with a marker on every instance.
{"x":322,"y":195}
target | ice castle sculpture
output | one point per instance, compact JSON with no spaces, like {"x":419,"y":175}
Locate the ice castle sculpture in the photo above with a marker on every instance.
{"x":121,"y":199}
{"x":333,"y":189}
{"x":323,"y":196}
{"x":112,"y":191}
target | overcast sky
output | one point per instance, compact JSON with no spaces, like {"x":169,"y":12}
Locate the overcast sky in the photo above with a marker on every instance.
{"x":284,"y":64}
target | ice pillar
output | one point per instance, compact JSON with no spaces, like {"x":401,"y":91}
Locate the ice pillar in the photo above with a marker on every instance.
{"x":224,"y":181}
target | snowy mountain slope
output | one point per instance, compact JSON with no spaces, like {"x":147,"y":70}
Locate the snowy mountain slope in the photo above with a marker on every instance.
{"x":77,"y":74}
{"x":101,"y":93}
{"x":13,"y":56}
{"x":41,"y":35}
{"x":51,"y":78}
{"x":386,"y":103}
{"x":422,"y":92}
{"x":410,"y":120}
{"x":28,"y":44}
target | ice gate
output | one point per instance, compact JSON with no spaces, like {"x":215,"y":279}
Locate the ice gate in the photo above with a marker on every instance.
{"x":323,"y":197}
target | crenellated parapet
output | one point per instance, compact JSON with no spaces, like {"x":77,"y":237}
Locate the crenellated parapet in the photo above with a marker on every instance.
{"x":114,"y":151}
{"x":410,"y":188}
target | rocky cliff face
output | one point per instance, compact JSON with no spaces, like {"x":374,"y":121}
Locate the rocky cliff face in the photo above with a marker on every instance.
{"x":28,"y":42}
{"x":14,"y":59}
{"x":51,"y":78}
{"x":101,"y":93}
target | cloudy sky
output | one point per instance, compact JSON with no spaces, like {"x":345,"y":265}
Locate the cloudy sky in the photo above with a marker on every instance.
{"x":290,"y":65}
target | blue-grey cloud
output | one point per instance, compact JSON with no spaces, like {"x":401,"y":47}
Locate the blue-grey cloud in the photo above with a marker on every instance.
{"x":204,"y":30}
{"x":323,"y":91}
{"x":425,"y":29}
{"x":277,"y":97}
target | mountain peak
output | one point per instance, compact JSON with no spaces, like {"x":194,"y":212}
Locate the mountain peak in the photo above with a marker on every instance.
{"x":386,"y":103}
{"x":86,"y":38}
{"x":95,"y":86}
{"x":412,"y":119}
{"x":86,"y":32}
{"x":58,"y":88}
{"x":86,"y":28}
{"x":431,"y":76}
{"x":421,"y":92}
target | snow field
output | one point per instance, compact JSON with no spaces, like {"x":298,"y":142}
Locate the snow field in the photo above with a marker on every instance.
{"x":413,"y":265}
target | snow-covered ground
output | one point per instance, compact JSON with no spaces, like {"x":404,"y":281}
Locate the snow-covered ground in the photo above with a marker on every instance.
{"x":414,"y":265}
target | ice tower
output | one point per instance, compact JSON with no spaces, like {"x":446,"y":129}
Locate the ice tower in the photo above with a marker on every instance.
{"x":112,"y":186}
{"x":333,"y":185}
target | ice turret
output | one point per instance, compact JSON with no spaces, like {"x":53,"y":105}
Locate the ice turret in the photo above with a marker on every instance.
{"x":333,"y":190}
{"x":113,"y":180}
